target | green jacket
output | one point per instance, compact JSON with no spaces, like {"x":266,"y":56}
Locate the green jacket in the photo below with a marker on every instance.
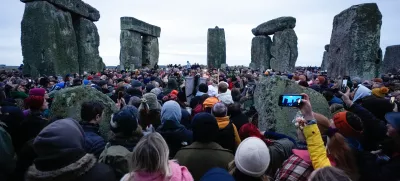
{"x":18,"y":95}
{"x":201,"y":157}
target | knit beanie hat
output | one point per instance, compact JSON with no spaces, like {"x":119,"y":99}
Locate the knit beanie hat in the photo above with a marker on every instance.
{"x":217,"y":174}
{"x":252,"y":157}
{"x":210,"y":102}
{"x":59,"y":144}
{"x":151,"y":100}
{"x":348,"y":124}
{"x":378,"y":106}
{"x":380,"y":92}
{"x":37,"y":92}
{"x":125,"y":121}
{"x":205,"y":128}
{"x":171,"y":111}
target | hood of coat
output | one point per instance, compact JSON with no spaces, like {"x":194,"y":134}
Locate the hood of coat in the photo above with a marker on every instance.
{"x":71,"y":172}
{"x":361,"y":92}
{"x":178,"y":173}
{"x":171,"y":111}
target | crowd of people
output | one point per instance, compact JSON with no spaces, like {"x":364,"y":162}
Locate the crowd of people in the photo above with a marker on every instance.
{"x":160,"y":132}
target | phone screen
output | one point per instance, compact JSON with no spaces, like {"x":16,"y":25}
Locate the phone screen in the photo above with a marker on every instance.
{"x":290,"y":100}
{"x":344,"y":86}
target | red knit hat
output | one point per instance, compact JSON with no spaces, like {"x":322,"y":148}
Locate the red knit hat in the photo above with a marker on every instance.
{"x":250,"y":130}
{"x":341,"y":123}
{"x":37,"y":92}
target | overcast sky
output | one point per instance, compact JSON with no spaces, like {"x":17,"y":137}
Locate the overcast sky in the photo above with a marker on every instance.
{"x":184,"y":26}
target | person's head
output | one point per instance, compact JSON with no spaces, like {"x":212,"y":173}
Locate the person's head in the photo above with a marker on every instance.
{"x":219,"y":110}
{"x":181,"y":97}
{"x":77,"y":82}
{"x":380,"y":92}
{"x":302,"y":78}
{"x":127,"y":79}
{"x":208,"y":103}
{"x":149,"y":87}
{"x":203,"y":88}
{"x":348,"y":124}
{"x":135,"y":101}
{"x":251,"y":130}
{"x":251,"y":161}
{"x":235,"y":93}
{"x":336,"y":108}
{"x":150,"y":155}
{"x":124,"y":122}
{"x":328,"y":173}
{"x":59,"y":144}
{"x":222,"y":87}
{"x":393,"y":124}
{"x":136,"y":84}
{"x":360,"y":92}
{"x":217,"y":174}
{"x":92,"y":111}
{"x":37,"y":100}
{"x":303,"y":83}
{"x":171,"y":111}
{"x":44,"y":81}
{"x":205,"y":128}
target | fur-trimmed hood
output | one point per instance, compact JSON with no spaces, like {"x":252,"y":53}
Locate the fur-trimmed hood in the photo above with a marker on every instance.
{"x":71,"y":172}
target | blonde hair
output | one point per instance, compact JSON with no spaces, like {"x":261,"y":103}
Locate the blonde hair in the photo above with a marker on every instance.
{"x":151,"y":155}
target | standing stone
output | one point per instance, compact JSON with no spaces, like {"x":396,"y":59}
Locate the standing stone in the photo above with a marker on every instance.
{"x":324,"y":64}
{"x":284,"y":51}
{"x":354,"y":47}
{"x":260,"y":51}
{"x":88,"y":46}
{"x":48,"y":40}
{"x":275,"y":25}
{"x":151,"y":51}
{"x":252,"y":65}
{"x":216,"y":47}
{"x":67,"y":104}
{"x":273,"y":117}
{"x":391,"y":62}
{"x":131,"y":48}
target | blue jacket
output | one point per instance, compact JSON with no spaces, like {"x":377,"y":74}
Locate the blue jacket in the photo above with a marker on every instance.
{"x":94,"y":143}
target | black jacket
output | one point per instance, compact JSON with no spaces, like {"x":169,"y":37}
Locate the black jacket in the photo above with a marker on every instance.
{"x":29,"y":129}
{"x":176,"y":136}
{"x":194,"y":101}
{"x":239,"y":119}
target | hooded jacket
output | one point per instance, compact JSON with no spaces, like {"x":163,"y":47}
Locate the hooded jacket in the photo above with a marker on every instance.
{"x":361,"y":92}
{"x":62,"y":157}
{"x":174,"y":133}
{"x":179,"y":173}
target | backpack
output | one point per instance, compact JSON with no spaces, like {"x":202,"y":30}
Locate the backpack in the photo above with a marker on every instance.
{"x":117,"y":157}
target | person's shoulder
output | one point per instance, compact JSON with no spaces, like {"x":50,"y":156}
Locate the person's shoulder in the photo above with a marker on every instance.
{"x":100,"y":172}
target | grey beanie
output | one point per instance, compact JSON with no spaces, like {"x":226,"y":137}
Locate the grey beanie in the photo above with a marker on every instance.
{"x":151,"y":100}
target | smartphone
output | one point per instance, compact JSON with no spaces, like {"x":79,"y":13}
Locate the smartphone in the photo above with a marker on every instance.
{"x":120,"y":94}
{"x":343,"y":87}
{"x":290,"y":100}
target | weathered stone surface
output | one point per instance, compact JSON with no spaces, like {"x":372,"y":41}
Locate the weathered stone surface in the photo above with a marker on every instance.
{"x":284,"y":51}
{"x":224,"y":66}
{"x":275,"y":25}
{"x":67,"y":103}
{"x":88,"y":46}
{"x":133,"y":24}
{"x":131,"y":49}
{"x":151,"y":51}
{"x":272,"y":116}
{"x":260,"y":51}
{"x":94,"y":14}
{"x":253,"y":65}
{"x":74,"y":6}
{"x":48,"y":40}
{"x":216,"y":47}
{"x":324,"y":64}
{"x":354,"y":47}
{"x":327,"y":47}
{"x":391,"y":62}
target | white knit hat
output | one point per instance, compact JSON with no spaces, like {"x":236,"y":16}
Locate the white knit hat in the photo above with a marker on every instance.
{"x":252,"y":157}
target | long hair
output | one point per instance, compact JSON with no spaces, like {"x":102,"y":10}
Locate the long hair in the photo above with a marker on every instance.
{"x":150,"y":155}
{"x":149,"y":117}
{"x":329,"y":173}
{"x":338,"y":148}
{"x":239,"y":176}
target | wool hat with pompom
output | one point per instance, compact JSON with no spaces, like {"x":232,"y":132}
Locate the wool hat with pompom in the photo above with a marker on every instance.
{"x":380,"y":92}
{"x":252,"y":157}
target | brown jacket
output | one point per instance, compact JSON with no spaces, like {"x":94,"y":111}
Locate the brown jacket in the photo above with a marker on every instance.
{"x":201,"y":157}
